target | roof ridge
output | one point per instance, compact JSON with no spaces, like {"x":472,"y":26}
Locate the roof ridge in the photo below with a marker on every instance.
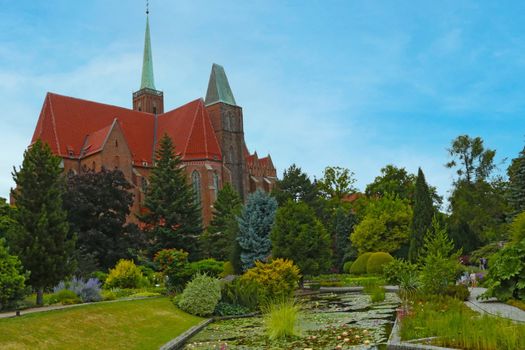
{"x":53,"y":122}
{"x":191,"y":130}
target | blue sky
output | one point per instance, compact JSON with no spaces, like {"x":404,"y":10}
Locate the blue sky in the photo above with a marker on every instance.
{"x":358,"y":84}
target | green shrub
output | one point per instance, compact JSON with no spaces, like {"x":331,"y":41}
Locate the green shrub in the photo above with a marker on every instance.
{"x":226,"y":309}
{"x":393,"y":270}
{"x":280,"y":319}
{"x":227,"y":269}
{"x":377,"y":294}
{"x":100,"y":275}
{"x":175,"y":267}
{"x":276,"y":280}
{"x":517,"y":228}
{"x":211,"y":267}
{"x":359,"y":265}
{"x":241,"y":292}
{"x":506,"y":277}
{"x":108,"y":295}
{"x":346,"y":266}
{"x":12,"y":279}
{"x":459,"y":291}
{"x":125,"y":275}
{"x":201,"y":295}
{"x":376,"y":262}
{"x":65,"y":297}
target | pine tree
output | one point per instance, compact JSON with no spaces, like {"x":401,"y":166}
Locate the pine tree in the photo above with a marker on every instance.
{"x":422,"y":218}
{"x":298,"y":235}
{"x":516,"y":172}
{"x":296,"y":186}
{"x":225,"y":211}
{"x":172,"y":213}
{"x":255,"y":224}
{"x":43,"y":242}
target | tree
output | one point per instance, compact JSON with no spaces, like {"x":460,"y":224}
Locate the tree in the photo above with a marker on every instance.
{"x":225,"y":211}
{"x":7,"y":221}
{"x":43,"y":242}
{"x":295,"y":185}
{"x":472,"y":160}
{"x":98,"y":204}
{"x":394,"y":181}
{"x":385,"y":226}
{"x":172,"y":214}
{"x":422,"y":218}
{"x":341,"y":225}
{"x":12,"y":278}
{"x":398,"y":182}
{"x":255,"y":224}
{"x":478,"y":214}
{"x":516,"y":194}
{"x":337,"y":182}
{"x":440,"y":265}
{"x":299,"y":236}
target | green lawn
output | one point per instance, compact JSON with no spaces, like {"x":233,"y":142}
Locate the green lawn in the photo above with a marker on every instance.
{"x":135,"y":324}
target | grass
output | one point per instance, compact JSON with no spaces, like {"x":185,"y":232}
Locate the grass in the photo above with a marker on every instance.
{"x":459,"y":327}
{"x":135,"y":324}
{"x":280,"y":319}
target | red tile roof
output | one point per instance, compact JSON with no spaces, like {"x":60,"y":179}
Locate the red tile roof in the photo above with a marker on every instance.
{"x":67,"y":124}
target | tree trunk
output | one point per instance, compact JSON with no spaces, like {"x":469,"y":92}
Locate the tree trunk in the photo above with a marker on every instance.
{"x":40,"y":297}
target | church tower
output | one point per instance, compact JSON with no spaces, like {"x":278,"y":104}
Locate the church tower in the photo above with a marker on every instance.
{"x":147,"y":98}
{"x":227,"y":120}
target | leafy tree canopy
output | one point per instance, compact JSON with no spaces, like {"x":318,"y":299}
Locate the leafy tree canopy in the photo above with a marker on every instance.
{"x":98,"y":204}
{"x":384,"y":227}
{"x":470,"y":159}
{"x":337,"y":183}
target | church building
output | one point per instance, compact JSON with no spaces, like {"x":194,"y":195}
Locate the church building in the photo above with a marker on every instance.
{"x":208,"y":134}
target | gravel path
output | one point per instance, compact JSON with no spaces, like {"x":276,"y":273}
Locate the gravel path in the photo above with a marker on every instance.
{"x":492,"y":307}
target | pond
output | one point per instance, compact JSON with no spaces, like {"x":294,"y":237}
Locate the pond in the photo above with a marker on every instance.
{"x":328,"y":321}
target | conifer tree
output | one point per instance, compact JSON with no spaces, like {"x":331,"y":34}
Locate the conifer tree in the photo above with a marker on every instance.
{"x":298,"y":235}
{"x":516,"y":172}
{"x":225,"y":211}
{"x":43,"y":242}
{"x":255,"y":224}
{"x":341,"y":225}
{"x":296,"y":186}
{"x":172,"y":213}
{"x":422,"y":218}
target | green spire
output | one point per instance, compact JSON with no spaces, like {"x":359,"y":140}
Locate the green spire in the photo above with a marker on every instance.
{"x":218,"y":88}
{"x":148,"y":81}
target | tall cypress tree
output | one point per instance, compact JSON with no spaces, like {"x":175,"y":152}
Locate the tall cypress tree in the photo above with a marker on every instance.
{"x":255,"y":224}
{"x":172,"y":215}
{"x":225,"y":211}
{"x":341,"y":226}
{"x":43,"y":242}
{"x":422,"y":218}
{"x":516,"y":172}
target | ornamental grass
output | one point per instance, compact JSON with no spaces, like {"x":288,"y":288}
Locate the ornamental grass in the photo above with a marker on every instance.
{"x":280,"y":319}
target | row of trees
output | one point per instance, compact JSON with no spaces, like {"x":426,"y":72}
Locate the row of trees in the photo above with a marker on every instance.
{"x":77,"y":224}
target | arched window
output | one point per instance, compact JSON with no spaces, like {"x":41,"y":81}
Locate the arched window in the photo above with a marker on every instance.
{"x":196,"y":181}
{"x":93,"y":166}
{"x":229,"y":156}
{"x":215,"y":178}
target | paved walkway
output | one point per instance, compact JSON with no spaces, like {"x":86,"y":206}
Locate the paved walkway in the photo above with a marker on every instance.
{"x":492,"y":307}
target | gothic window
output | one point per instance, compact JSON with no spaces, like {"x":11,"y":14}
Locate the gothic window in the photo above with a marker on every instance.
{"x":196,"y":182}
{"x":116,"y":162}
{"x":229,"y":156}
{"x":93,"y":166}
{"x":140,"y":106}
{"x":227,"y":125}
{"x":144,"y":184}
{"x":215,"y":185}
{"x":116,"y":143}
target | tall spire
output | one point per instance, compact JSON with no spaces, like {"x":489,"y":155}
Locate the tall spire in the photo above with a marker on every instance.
{"x":218,"y":87}
{"x":148,"y":80}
